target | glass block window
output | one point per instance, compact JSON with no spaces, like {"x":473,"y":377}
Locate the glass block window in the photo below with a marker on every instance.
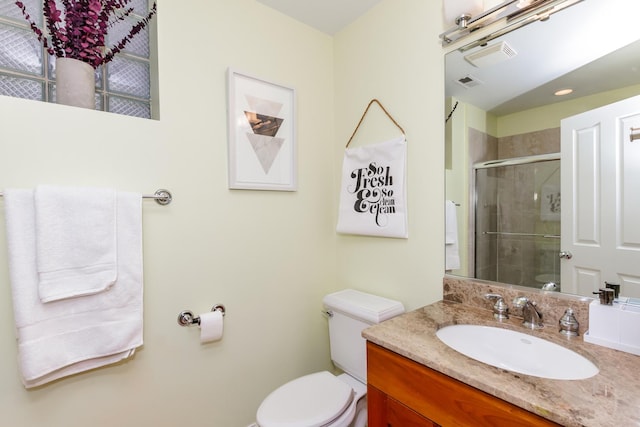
{"x":123,"y":86}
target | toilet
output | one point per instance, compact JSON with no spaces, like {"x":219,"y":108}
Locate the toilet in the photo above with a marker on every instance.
{"x":322,"y":399}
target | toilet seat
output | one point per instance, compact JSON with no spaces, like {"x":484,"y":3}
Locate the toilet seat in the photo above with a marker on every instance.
{"x":314,"y":400}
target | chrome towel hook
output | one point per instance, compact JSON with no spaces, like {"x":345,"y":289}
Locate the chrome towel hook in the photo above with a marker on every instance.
{"x":187,"y":318}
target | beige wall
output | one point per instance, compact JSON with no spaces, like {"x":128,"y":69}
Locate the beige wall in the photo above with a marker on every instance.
{"x":268,"y":256}
{"x":393,"y":54}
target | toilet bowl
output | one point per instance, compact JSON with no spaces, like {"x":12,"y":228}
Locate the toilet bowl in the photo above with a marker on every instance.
{"x":322,"y":399}
{"x":315,"y":400}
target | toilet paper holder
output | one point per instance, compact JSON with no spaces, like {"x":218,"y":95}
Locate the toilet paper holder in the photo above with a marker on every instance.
{"x":187,"y":318}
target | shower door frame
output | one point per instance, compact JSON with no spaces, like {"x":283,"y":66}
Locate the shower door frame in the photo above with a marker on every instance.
{"x":489,"y":164}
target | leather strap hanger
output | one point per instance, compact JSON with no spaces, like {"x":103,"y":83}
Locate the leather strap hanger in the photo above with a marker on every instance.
{"x":365,"y":113}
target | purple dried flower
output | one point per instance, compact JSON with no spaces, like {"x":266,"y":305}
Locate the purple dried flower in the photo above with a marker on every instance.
{"x":81,"y":30}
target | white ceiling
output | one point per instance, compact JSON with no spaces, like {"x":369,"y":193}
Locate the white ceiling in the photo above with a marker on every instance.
{"x":328,"y":16}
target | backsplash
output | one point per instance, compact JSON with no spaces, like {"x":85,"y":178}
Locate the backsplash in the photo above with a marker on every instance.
{"x":551,"y":304}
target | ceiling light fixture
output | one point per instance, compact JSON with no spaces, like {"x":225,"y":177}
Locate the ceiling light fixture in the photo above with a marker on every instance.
{"x":471,"y":15}
{"x":563,"y":92}
{"x":461,"y":11}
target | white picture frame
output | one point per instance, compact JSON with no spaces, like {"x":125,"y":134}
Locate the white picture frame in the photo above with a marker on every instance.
{"x":261,"y":134}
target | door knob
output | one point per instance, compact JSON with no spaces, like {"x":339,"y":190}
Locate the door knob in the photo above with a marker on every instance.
{"x":565,"y":255}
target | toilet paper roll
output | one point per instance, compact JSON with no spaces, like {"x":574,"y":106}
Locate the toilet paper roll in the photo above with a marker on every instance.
{"x":211,"y":326}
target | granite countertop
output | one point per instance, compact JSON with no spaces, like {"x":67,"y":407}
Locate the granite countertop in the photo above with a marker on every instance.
{"x":611,"y":398}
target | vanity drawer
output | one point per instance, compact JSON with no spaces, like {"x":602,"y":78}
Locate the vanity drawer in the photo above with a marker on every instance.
{"x":384,"y":411}
{"x":441,"y":399}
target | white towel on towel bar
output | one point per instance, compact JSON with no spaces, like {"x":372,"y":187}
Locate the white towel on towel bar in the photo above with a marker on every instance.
{"x":75,"y":241}
{"x":451,"y":254}
{"x":64,"y":337}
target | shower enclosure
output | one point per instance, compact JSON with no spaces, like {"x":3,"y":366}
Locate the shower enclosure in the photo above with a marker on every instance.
{"x":517,"y":221}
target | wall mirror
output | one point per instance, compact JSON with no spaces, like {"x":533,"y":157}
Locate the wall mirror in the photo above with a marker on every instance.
{"x":503,"y":143}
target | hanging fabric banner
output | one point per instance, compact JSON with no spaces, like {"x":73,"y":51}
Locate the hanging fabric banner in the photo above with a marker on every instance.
{"x":373,"y":198}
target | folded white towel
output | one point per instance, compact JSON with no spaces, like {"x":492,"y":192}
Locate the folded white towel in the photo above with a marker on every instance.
{"x":75,"y":241}
{"x":68,"y":336}
{"x":452,"y":257}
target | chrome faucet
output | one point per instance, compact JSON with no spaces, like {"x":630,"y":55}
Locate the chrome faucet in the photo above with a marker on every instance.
{"x":532,"y":318}
{"x":500,"y":308}
{"x":568,"y":323}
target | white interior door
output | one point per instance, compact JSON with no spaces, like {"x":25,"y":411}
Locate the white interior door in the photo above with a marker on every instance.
{"x":600,"y":167}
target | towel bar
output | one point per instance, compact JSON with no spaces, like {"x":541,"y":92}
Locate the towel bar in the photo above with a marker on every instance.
{"x":162,"y":197}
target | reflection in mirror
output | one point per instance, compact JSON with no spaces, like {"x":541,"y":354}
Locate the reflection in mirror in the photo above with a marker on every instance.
{"x":503,"y":136}
{"x":524,"y":231}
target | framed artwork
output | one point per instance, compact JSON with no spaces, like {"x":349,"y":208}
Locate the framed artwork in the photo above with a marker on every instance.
{"x":262,"y":142}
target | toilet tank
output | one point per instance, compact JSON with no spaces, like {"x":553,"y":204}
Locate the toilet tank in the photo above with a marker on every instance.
{"x":351,"y":312}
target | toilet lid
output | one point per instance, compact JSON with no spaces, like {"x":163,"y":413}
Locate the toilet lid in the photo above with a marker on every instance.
{"x":311,"y":401}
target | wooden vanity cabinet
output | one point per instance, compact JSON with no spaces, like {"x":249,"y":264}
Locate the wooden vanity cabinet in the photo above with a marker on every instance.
{"x":384,"y":411}
{"x":404,"y":393}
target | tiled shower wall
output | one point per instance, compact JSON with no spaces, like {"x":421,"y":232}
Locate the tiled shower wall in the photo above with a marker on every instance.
{"x":529,"y":144}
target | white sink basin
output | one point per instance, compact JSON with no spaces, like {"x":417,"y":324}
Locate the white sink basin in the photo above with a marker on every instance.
{"x":517,"y":352}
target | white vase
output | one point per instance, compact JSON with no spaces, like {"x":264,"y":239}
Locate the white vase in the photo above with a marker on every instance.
{"x":75,"y":83}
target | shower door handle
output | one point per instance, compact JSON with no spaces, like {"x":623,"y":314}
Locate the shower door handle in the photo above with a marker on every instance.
{"x":565,"y":255}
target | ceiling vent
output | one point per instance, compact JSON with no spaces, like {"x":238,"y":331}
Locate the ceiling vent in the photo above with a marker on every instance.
{"x":468,"y":81}
{"x":491,"y":55}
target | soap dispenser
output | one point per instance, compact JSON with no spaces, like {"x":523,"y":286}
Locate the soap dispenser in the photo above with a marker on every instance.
{"x":569,"y":325}
{"x":607,"y":295}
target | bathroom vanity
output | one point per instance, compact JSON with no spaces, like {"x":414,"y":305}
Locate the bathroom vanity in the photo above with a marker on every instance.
{"x":403,"y":393}
{"x":414,"y":379}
